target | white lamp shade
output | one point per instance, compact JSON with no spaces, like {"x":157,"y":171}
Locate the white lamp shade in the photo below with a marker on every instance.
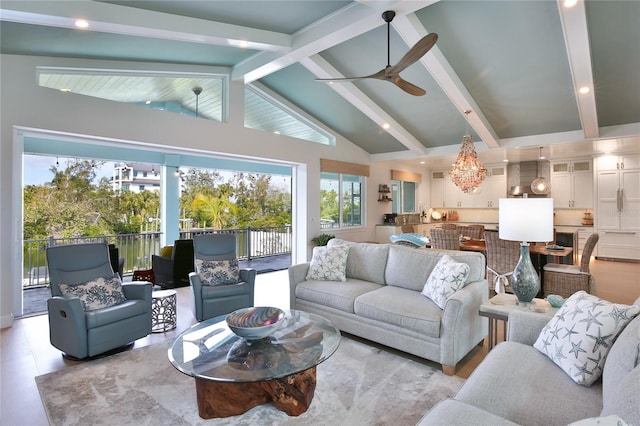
{"x":526,"y":219}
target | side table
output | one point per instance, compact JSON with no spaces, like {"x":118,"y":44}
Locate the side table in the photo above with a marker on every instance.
{"x":499,"y":307}
{"x":163,"y":311}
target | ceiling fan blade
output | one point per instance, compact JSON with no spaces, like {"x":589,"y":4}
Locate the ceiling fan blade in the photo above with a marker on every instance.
{"x":379,"y":75}
{"x":410,"y":88}
{"x":416,"y":52}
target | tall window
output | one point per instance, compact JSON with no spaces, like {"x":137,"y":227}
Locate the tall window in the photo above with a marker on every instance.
{"x":341,"y":200}
{"x":404,"y":196}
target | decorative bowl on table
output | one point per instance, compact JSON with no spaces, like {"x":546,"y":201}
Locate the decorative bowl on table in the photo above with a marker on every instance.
{"x":255,"y":323}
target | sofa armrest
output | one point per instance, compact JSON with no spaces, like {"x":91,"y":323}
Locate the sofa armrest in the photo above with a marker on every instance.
{"x":524,"y":327}
{"x":462,"y":327}
{"x":297,"y":274}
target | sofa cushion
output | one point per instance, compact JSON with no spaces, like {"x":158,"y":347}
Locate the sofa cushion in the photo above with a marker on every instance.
{"x":365,"y":261}
{"x":328,"y":263}
{"x":99,"y":293}
{"x":338,"y":295}
{"x":401,"y":307}
{"x":519,"y":383}
{"x":580,"y":334}
{"x":218,"y":272}
{"x":446,"y":278}
{"x":409,"y":268}
{"x":455,"y":413}
{"x":621,"y":375}
{"x":612,"y":420}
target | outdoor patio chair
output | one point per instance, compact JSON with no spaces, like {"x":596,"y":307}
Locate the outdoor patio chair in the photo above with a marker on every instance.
{"x":88,"y":314}
{"x":213,"y":291}
{"x":174,"y":272}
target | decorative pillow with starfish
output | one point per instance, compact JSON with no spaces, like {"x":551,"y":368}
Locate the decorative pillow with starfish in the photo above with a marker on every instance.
{"x":580,"y":334}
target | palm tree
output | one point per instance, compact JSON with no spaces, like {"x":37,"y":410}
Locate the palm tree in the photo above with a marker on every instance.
{"x":215,"y":210}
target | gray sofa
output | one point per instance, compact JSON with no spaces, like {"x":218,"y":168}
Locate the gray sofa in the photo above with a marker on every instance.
{"x":517,"y":384}
{"x":381,"y":301}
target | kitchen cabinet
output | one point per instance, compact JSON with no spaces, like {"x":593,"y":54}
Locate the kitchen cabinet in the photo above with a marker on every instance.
{"x":454,"y":197}
{"x":445,"y":194}
{"x":617,"y":215}
{"x":583,"y":235}
{"x":437,"y":188}
{"x":572,"y":184}
{"x":492,"y":188}
{"x":383,"y":232}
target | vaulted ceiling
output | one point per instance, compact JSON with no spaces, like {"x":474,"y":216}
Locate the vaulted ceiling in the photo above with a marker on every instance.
{"x":517,"y":65}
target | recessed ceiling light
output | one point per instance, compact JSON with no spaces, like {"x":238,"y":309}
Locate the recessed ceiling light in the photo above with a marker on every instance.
{"x":386,"y":126}
{"x":276,"y":132}
{"x":82,"y":23}
{"x":64,"y":89}
{"x":505,"y":160}
{"x":147,"y":102}
{"x":584,"y":90}
{"x":243,"y":43}
{"x":422,"y":162}
{"x":570,"y":3}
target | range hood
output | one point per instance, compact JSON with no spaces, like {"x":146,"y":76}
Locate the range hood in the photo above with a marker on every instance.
{"x":521,"y":175}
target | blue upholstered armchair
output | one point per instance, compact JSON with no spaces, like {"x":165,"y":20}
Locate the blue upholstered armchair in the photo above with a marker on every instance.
{"x":208,"y":301}
{"x":79,"y":333}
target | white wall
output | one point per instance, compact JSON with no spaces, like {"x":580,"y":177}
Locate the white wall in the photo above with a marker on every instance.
{"x":26,"y":105}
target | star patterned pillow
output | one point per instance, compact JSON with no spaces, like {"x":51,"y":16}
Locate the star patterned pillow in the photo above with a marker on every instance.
{"x":328,"y":263}
{"x":446,"y":278}
{"x":580,"y":334}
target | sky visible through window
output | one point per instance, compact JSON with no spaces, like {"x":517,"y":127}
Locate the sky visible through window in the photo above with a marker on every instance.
{"x":37,"y":169}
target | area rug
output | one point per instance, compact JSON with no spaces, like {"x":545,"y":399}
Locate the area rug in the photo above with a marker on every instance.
{"x":360,"y":384}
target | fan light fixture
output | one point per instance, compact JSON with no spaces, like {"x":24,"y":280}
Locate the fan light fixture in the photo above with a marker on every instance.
{"x":196,"y":91}
{"x":467,"y":173}
{"x":540,"y":185}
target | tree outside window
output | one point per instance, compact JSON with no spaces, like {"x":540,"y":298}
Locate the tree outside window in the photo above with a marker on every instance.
{"x":340,"y":200}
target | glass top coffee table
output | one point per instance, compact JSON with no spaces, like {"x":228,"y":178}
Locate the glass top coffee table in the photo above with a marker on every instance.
{"x":234,"y":375}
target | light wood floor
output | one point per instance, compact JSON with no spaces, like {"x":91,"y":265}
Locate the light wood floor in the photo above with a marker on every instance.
{"x":25,"y":351}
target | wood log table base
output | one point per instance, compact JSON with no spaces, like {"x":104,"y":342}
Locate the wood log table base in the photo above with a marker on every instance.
{"x":291,"y":394}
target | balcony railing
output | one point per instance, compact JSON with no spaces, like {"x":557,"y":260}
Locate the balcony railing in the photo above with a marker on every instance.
{"x":137,"y":249}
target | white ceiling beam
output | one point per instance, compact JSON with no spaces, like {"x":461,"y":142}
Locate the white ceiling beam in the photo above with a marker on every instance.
{"x":323,"y":69}
{"x":116,"y":19}
{"x":411,"y":30}
{"x":344,"y":24}
{"x":576,"y":37}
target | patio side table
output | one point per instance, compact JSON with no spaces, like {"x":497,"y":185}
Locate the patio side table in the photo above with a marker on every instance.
{"x":163,"y":311}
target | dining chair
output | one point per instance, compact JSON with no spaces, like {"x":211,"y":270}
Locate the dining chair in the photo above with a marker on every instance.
{"x":449,"y":226}
{"x":502,"y":258}
{"x":475,"y":232}
{"x":445,"y":239}
{"x":564,"y":280}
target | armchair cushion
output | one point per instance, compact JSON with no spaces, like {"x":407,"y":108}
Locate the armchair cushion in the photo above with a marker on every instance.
{"x":218,"y":272}
{"x":564,"y":268}
{"x":580,"y":334}
{"x":99,"y":293}
{"x":329,"y":263}
{"x":446,"y":278}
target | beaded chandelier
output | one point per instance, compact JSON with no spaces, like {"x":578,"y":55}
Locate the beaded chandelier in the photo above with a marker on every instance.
{"x":468,"y":172}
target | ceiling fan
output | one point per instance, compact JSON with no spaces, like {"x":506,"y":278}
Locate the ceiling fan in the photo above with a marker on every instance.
{"x":392,"y":73}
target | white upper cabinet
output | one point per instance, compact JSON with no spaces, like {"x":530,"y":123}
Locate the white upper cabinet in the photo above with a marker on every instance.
{"x":572,"y":184}
{"x":445,"y":194}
